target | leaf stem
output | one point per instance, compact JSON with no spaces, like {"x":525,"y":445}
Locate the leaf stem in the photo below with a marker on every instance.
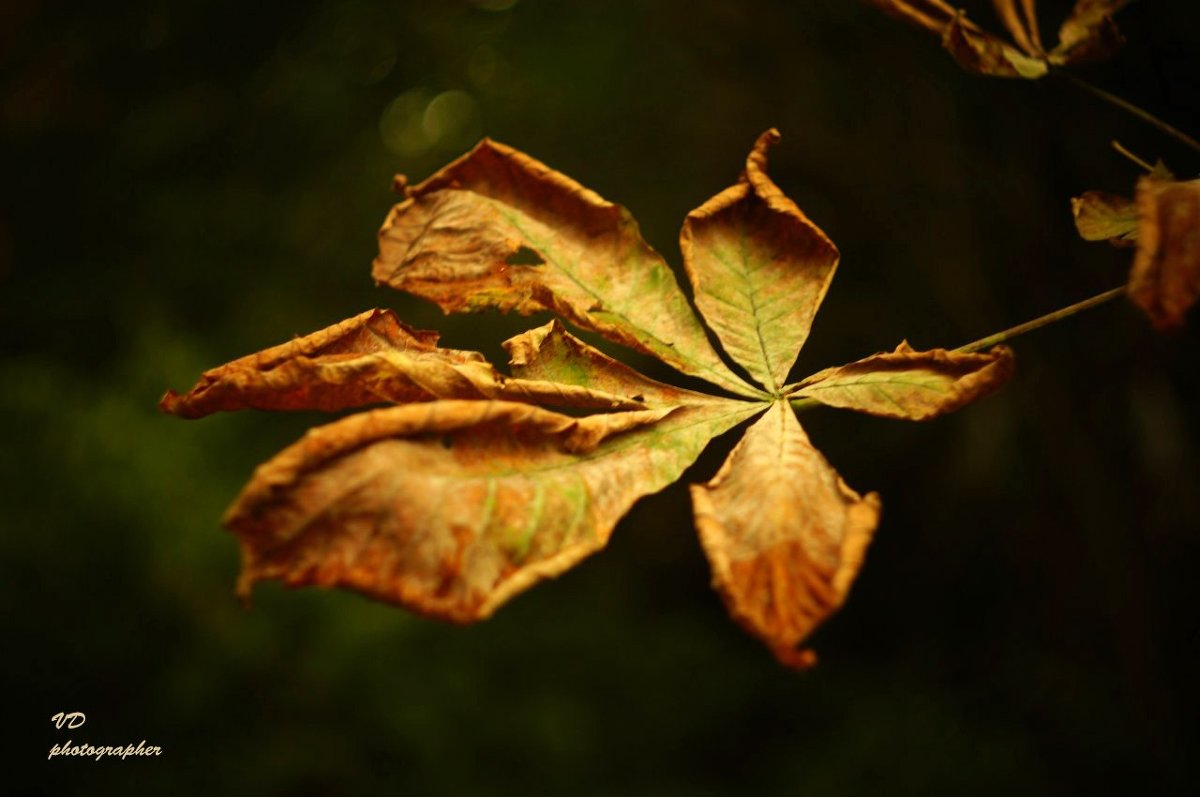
{"x":1131,"y":156}
{"x":805,"y":403}
{"x":1128,"y":107}
{"x":1049,"y":318}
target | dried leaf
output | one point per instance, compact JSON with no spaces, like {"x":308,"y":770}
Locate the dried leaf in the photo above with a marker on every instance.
{"x":1165,"y":280}
{"x":975,"y":49}
{"x":1101,"y":216}
{"x":985,"y":54}
{"x":497,"y":228}
{"x":760,"y":269}
{"x":783,"y":533}
{"x":1089,"y":34}
{"x":551,"y":354}
{"x":909,"y":384}
{"x":369,"y":359}
{"x":453,"y":507}
{"x":259,"y":381}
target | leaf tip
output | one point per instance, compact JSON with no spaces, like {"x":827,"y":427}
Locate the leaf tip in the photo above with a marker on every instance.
{"x":767,"y":138}
{"x":756,"y":161}
{"x":800,"y":660}
{"x":182,"y":406}
{"x":491,"y":145}
{"x":169,"y":402}
{"x":244,"y":588}
{"x":523,"y":348}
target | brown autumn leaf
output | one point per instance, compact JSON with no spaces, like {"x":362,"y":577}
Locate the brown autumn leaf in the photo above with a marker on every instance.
{"x":784,"y":534}
{"x":909,"y":384}
{"x":1165,"y":279}
{"x":450,"y":508}
{"x":369,"y":359}
{"x":464,"y":494}
{"x":1163,"y":223}
{"x":496,"y":228}
{"x":1087,"y":35}
{"x":760,"y":269}
{"x":550,"y":353}
{"x":984,"y":54}
{"x":1101,"y":216}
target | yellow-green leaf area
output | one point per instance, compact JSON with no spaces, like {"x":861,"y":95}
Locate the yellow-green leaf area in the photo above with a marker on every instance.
{"x":760,"y":269}
{"x":909,"y":384}
{"x":453,"y":239}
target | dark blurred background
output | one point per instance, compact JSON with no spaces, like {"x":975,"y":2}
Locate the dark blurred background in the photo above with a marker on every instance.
{"x":188,"y":182}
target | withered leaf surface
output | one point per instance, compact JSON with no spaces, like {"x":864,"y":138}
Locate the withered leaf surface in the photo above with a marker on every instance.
{"x":451,"y":508}
{"x":986,"y":54}
{"x":1089,"y":34}
{"x":1165,"y":279}
{"x":1101,"y":216}
{"x":550,"y":353}
{"x":499,"y":229}
{"x":784,"y":535}
{"x":272,"y":380}
{"x":909,"y":384}
{"x":465,"y":495}
{"x":369,"y":359}
{"x":760,"y":269}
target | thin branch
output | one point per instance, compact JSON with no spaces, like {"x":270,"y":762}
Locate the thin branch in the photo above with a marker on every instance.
{"x":1128,"y":107}
{"x":1119,"y":147}
{"x":1049,"y":318}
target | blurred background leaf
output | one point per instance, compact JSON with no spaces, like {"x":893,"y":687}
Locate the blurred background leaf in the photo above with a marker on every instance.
{"x":191,"y":181}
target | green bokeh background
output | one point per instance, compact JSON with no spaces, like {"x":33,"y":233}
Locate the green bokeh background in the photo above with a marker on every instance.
{"x":188,"y":182}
